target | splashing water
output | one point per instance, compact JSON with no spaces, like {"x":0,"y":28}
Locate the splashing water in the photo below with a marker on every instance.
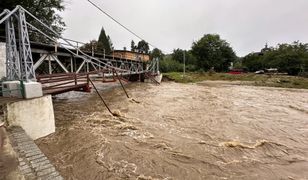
{"x":183,"y":131}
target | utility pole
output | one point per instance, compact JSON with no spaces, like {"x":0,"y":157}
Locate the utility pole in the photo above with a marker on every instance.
{"x":184,"y":59}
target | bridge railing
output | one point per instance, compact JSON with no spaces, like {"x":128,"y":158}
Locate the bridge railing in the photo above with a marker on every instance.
{"x":60,"y":83}
{"x":123,"y":68}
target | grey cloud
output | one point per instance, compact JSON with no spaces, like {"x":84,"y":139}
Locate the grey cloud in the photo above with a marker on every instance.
{"x":246,"y":24}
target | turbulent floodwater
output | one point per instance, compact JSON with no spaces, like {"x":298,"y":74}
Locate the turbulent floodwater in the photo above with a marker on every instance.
{"x":182,"y":131}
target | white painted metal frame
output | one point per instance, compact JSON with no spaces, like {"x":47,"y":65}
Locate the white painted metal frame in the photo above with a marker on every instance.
{"x":20,"y":63}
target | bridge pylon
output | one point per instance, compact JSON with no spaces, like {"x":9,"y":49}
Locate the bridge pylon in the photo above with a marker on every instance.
{"x":19,"y":61}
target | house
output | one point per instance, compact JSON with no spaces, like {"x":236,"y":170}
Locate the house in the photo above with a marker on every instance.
{"x":130,"y":55}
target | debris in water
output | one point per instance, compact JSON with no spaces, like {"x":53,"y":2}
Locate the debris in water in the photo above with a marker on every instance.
{"x":117,"y":113}
{"x":134,"y":100}
{"x":239,"y":144}
{"x":163,"y":146}
{"x":143,"y":177}
{"x":126,"y":127}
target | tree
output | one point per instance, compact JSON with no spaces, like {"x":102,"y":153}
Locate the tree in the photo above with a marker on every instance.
{"x":104,"y":43}
{"x":92,"y":45}
{"x":46,"y":11}
{"x":253,"y":62}
{"x":143,"y":47}
{"x":170,"y":65}
{"x":110,"y":43}
{"x":133,"y":46}
{"x":190,"y":60}
{"x":156,"y":53}
{"x":212,"y":51}
{"x":290,"y":58}
{"x":178,"y":55}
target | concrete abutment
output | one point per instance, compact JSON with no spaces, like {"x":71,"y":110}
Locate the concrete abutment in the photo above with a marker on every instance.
{"x":35,"y":116}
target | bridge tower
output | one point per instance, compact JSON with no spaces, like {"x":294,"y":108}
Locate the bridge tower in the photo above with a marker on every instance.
{"x":19,"y":61}
{"x":27,"y":70}
{"x":12,"y":55}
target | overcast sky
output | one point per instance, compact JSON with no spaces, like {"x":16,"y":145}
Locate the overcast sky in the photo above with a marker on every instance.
{"x":168,"y":24}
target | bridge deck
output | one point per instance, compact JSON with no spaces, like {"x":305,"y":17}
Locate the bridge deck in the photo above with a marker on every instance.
{"x":79,"y":87}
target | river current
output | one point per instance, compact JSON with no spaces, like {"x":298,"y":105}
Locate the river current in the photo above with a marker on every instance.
{"x":209,"y":130}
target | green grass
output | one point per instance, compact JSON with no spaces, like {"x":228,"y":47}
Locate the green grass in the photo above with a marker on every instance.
{"x":251,"y":79}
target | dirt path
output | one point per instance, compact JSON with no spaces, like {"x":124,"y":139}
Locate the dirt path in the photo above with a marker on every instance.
{"x":183,"y":131}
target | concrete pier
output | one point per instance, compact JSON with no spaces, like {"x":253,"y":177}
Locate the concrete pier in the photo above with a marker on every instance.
{"x":35,"y":116}
{"x":26,"y":120}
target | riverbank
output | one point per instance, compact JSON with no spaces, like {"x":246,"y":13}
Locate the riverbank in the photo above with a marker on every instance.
{"x":283,"y":81}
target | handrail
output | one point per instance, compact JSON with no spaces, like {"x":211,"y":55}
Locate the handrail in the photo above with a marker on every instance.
{"x":121,"y":84}
{"x":9,"y":13}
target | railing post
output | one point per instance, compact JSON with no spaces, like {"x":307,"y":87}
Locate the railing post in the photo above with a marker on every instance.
{"x":88,"y":78}
{"x":75,"y":76}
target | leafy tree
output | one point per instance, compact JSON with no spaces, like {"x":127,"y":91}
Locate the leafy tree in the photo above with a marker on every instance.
{"x":104,"y":43}
{"x":211,"y":51}
{"x":133,"y":46}
{"x":238,"y":64}
{"x":110,"y":42}
{"x":178,"y":55}
{"x":190,"y":60}
{"x":170,"y":65}
{"x":156,"y":53}
{"x":290,"y":58}
{"x":46,"y":11}
{"x":143,"y":47}
{"x":253,"y":62}
{"x":92,"y":45}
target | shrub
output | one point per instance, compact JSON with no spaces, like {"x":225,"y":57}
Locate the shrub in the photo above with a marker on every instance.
{"x":170,"y":65}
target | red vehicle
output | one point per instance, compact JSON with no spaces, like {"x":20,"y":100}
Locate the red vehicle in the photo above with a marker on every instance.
{"x":236,"y":71}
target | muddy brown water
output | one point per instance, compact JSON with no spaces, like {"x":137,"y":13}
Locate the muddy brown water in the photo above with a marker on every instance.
{"x":182,"y":131}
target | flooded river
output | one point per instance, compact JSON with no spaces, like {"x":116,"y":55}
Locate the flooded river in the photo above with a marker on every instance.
{"x":182,"y":131}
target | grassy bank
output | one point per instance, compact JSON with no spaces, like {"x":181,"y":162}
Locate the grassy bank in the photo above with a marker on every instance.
{"x":252,"y":79}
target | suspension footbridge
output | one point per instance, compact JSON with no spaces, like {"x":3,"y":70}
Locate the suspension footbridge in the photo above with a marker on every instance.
{"x":61,"y":67}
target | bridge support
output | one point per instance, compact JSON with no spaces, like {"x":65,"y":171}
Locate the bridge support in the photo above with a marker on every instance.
{"x":19,"y":61}
{"x":25,"y":49}
{"x":12,"y":57}
{"x":2,"y":60}
{"x":38,"y":123}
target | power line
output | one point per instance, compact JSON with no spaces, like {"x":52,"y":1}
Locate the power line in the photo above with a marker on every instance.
{"x":135,"y":34}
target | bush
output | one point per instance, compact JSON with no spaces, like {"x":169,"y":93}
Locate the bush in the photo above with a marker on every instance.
{"x":170,"y":65}
{"x":190,"y":68}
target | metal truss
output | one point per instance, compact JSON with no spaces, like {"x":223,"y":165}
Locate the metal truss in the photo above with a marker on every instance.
{"x":25,"y":49}
{"x":12,"y":56}
{"x":153,"y":67}
{"x":20,"y":61}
